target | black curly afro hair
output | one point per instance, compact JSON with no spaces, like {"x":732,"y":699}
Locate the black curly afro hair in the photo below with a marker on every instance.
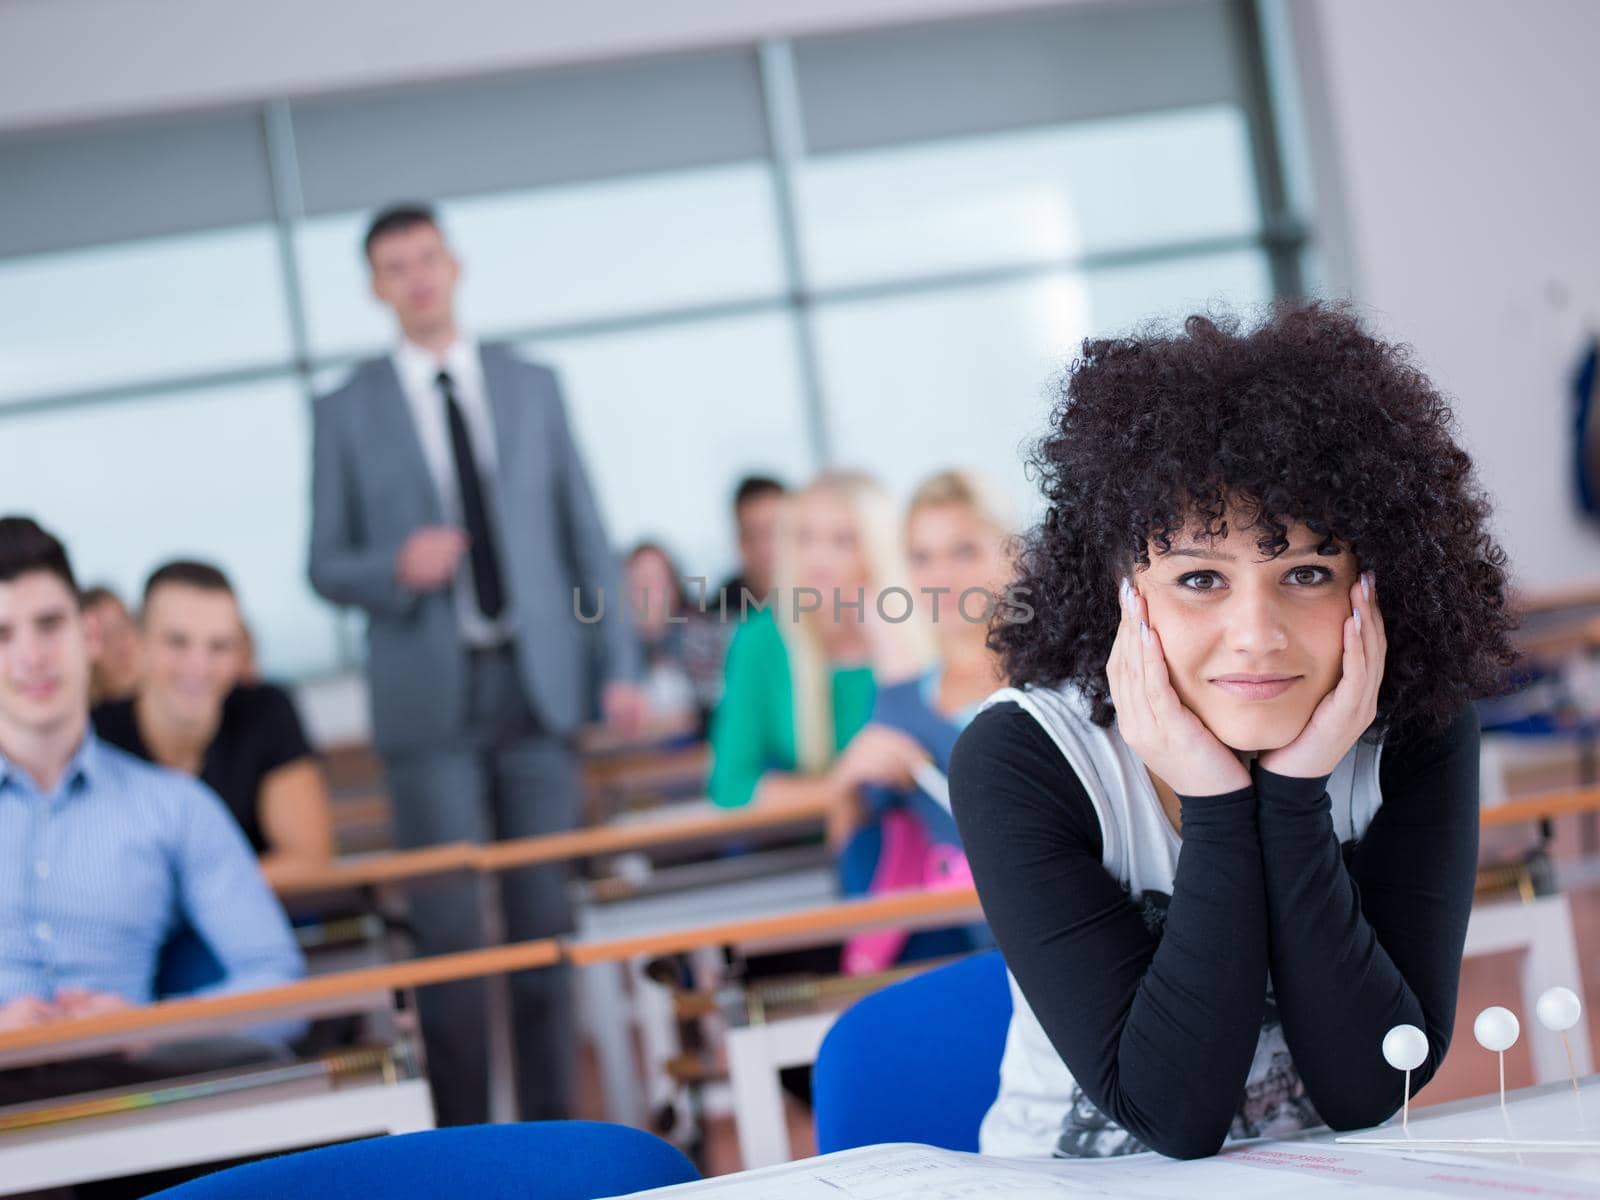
{"x":1305,"y":417}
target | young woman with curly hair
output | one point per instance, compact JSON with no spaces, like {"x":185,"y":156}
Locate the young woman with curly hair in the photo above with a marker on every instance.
{"x":1264,"y":595}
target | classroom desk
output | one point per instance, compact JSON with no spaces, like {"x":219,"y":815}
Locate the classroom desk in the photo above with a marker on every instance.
{"x":684,"y":824}
{"x":782,"y":910}
{"x":1319,"y":1164}
{"x":1540,"y":806}
{"x":679,"y":824}
{"x":811,"y":926}
{"x":272,"y":1119}
{"x":381,"y":867}
{"x":1541,"y":928}
{"x":321,"y":995}
{"x":688,"y":824}
{"x":619,"y":1000}
{"x":243,"y":1123}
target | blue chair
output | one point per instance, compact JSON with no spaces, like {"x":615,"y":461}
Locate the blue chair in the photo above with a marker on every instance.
{"x":918,"y":1061}
{"x":540,"y":1160}
{"x":186,"y":964}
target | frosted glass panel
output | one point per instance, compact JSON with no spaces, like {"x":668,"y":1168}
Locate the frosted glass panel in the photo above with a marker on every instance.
{"x":952,"y":379}
{"x":218,"y":475}
{"x":967,"y":378}
{"x":1120,"y":300}
{"x":566,"y":254}
{"x":1028,"y":197}
{"x":668,"y":420}
{"x":122,"y":313}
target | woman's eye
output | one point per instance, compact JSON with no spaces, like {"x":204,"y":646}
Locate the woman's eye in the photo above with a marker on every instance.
{"x":1309,"y":576}
{"x":1200,"y":581}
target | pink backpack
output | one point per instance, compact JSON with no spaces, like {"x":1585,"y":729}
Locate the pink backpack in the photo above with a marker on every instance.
{"x":907,"y":862}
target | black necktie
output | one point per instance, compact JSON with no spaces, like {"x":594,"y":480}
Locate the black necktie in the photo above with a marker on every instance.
{"x":485,"y":561}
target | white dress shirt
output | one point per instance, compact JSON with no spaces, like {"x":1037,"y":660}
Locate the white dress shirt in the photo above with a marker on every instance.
{"x":418,"y":370}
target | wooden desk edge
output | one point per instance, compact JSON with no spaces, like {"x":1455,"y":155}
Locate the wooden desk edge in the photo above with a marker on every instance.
{"x":401,"y":865}
{"x":263,"y":1003}
{"x":1540,"y":806}
{"x":615,"y":839}
{"x":834,"y":919}
{"x":386,"y":867}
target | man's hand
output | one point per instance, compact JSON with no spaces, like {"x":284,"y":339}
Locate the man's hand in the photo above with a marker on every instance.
{"x":427,"y":561}
{"x":624,"y":706}
{"x":25,"y":1011}
{"x":81,"y":1002}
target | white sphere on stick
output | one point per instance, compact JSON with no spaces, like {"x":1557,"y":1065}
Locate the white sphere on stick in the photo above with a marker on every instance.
{"x":1496,"y":1029}
{"x":1559,"y":1009}
{"x":1405,"y":1047}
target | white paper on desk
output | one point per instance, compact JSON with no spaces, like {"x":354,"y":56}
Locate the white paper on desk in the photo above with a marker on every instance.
{"x":1257,"y":1171}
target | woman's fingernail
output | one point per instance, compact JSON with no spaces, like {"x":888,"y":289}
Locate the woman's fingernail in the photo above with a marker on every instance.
{"x":1126,"y":591}
{"x":1358,"y":620}
{"x":1366,"y":585}
{"x":1144,"y":631}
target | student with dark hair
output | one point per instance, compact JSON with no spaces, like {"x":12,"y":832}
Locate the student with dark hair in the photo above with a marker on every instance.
{"x":757,"y":504}
{"x":192,"y":713}
{"x":115,"y":670}
{"x":681,"y":647}
{"x":1263,"y":596}
{"x":103,"y":857}
{"x":450,"y":504}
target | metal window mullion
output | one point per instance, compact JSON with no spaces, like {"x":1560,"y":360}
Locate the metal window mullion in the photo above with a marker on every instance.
{"x":1281,"y":230}
{"x":288,"y":209}
{"x":780,"y":94}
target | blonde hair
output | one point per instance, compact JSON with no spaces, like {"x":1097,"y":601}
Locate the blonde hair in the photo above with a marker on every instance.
{"x":971,"y":491}
{"x":882,"y":549}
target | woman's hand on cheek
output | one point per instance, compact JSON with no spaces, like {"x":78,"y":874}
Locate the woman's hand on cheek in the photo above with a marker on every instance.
{"x":1170,"y":740}
{"x":1349,"y":709}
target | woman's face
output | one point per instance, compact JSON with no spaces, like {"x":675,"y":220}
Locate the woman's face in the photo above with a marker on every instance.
{"x":1252,"y":644}
{"x":827,"y":548}
{"x":655,"y":591}
{"x":953,"y":551}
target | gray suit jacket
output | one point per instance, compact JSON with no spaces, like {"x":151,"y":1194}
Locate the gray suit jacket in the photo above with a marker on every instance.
{"x":370,"y":489}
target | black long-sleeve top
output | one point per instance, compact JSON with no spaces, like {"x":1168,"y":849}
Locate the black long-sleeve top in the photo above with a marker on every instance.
{"x":1159,"y":1027}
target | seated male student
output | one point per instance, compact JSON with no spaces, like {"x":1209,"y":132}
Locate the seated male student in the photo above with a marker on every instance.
{"x":103,"y":857}
{"x":192,"y":713}
{"x":114,"y":671}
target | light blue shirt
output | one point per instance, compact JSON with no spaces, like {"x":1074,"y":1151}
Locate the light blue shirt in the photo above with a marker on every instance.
{"x":96,"y":875}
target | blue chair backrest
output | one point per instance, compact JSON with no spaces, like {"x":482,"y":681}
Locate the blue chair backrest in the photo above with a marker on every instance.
{"x":543,"y":1160}
{"x":186,"y":964}
{"x":918,"y":1061}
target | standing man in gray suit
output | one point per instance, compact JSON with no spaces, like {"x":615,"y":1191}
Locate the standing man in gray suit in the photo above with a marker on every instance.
{"x":449,"y":503}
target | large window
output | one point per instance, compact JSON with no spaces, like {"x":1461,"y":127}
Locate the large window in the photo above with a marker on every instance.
{"x":874,"y":250}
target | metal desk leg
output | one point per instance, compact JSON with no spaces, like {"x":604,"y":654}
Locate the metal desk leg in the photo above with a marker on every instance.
{"x":755,"y":1055}
{"x":603,"y":989}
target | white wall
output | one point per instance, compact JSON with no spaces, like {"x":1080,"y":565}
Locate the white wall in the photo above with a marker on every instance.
{"x":1458,"y":160}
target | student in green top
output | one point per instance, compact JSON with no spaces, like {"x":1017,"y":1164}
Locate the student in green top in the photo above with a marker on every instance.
{"x":799,"y":676}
